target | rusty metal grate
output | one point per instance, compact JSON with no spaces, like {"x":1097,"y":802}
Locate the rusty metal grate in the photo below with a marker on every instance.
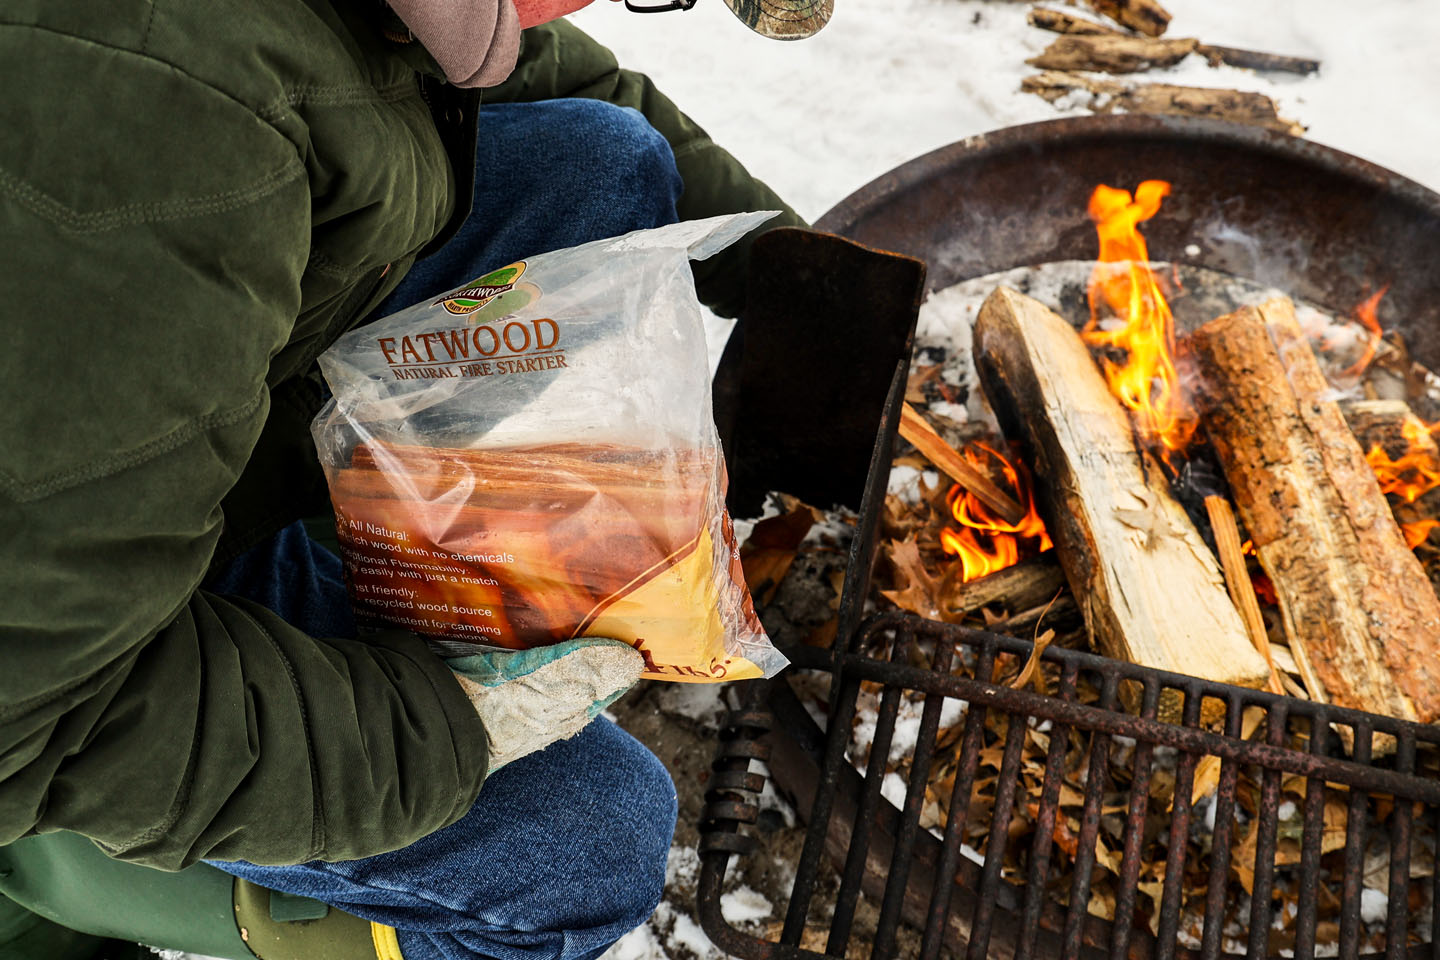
{"x":1014,"y":903}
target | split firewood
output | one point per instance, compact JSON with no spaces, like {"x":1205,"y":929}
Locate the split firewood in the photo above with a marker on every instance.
{"x":914,"y":428}
{"x":1358,"y":610}
{"x":1108,"y":96}
{"x":1148,"y":586}
{"x":1256,"y":59}
{"x":1061,"y":21}
{"x":1146,"y":16}
{"x":1112,"y":53}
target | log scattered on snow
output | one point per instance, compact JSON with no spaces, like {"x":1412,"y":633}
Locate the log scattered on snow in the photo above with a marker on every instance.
{"x":1112,"y":53}
{"x":1061,"y":21}
{"x":1256,"y":59}
{"x":1106,"y":96}
{"x":1148,"y":586}
{"x":1356,"y":604}
{"x":1146,"y":16}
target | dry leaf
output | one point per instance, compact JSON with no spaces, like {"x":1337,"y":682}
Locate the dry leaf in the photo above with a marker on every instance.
{"x":1207,"y":771}
{"x":1032,"y":664}
{"x":771,"y":547}
{"x":919,"y":593}
{"x":915,"y":386}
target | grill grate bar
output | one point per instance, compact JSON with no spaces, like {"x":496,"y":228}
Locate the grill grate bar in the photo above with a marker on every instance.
{"x":1039,"y":875}
{"x":900,"y":863}
{"x":1021,"y":914}
{"x":1310,"y":850}
{"x":1224,"y":809}
{"x":1435,"y":888}
{"x":1179,"y":835}
{"x":1267,"y":823}
{"x":1403,"y":816}
{"x":1015,"y":730}
{"x":854,"y":870}
{"x":1192,"y":740}
{"x":959,"y":813}
{"x":1354,"y":856}
{"x":1095,"y":781}
{"x":808,"y":868}
{"x":1134,"y":831}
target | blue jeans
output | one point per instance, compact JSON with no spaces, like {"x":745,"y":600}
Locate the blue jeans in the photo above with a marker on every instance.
{"x":564,"y":851}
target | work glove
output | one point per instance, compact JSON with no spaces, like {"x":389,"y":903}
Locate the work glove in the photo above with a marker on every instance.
{"x":528,"y":699}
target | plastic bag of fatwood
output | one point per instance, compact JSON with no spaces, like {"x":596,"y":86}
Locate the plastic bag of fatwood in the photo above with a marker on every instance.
{"x":533,"y":458}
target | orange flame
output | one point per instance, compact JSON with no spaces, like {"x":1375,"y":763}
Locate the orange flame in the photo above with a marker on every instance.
{"x":1414,"y":474}
{"x":985,"y":542}
{"x":1147,"y":382}
{"x":1368,"y":313}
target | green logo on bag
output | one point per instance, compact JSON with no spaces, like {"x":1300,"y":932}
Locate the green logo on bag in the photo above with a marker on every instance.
{"x":480,"y":291}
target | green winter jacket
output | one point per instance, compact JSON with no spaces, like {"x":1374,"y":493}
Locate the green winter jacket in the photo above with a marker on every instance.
{"x":196,"y":198}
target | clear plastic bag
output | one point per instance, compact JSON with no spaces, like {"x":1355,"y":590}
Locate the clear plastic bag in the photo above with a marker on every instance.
{"x":533,"y":458}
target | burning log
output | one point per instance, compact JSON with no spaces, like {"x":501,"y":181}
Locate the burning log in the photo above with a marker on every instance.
{"x":1148,"y":586}
{"x":1402,"y":451}
{"x":1112,"y":53}
{"x":914,"y":428}
{"x":1358,"y":610}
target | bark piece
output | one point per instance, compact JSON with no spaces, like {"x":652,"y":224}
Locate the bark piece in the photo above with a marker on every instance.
{"x":1148,"y":586}
{"x":1146,"y":16}
{"x":1354,"y":600}
{"x":1107,"y":96}
{"x":1111,"y":53}
{"x":1061,"y":21}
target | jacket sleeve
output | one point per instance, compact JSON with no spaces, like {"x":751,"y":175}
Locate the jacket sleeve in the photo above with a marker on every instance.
{"x":152,"y":269}
{"x":557,"y":59}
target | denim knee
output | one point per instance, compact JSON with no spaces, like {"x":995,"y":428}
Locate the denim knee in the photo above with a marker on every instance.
{"x":619,"y":162}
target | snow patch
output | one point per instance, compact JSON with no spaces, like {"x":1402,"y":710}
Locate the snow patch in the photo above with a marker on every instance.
{"x":744,"y":905}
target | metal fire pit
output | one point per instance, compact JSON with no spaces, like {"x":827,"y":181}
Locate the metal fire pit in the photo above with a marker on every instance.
{"x":1325,"y":226}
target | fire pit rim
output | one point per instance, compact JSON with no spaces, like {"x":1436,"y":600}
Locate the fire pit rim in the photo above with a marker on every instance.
{"x":845,"y":215}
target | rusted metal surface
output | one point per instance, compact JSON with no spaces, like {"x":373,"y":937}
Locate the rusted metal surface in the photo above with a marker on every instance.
{"x":970,"y":910}
{"x":1321,"y":224}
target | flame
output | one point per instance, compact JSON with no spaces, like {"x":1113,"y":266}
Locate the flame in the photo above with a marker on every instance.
{"x":1367,"y":312}
{"x":1417,"y":472}
{"x":984,"y":541}
{"x":1413,"y":475}
{"x":1147,"y":382}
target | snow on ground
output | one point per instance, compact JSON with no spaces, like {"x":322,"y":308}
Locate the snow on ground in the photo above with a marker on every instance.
{"x":888,"y":80}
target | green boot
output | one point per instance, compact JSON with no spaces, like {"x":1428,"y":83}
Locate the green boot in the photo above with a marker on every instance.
{"x":61,"y":898}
